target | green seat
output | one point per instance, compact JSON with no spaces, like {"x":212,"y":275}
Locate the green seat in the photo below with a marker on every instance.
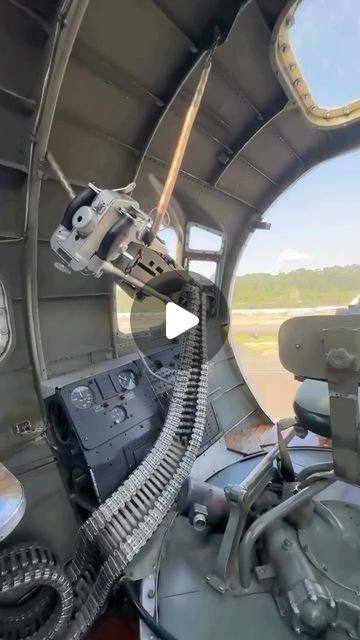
{"x":312,"y":407}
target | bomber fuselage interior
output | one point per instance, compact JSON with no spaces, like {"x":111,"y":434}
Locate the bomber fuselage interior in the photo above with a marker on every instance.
{"x":141,"y":144}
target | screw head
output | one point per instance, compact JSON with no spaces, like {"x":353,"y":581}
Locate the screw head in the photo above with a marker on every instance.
{"x":287,"y":544}
{"x":340,"y":359}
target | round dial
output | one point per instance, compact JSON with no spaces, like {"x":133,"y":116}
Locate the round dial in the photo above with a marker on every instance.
{"x":127,"y":379}
{"x":82,"y":397}
{"x":118,"y":414}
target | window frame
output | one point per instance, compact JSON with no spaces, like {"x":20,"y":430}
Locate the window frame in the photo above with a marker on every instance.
{"x":203,"y":252}
{"x":287,"y":69}
{"x":209,"y":259}
{"x":205,"y":255}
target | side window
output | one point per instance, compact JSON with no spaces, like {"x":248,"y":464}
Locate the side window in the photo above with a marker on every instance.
{"x":203,"y":250}
{"x":123,"y":308}
{"x":5,"y":327}
{"x":203,"y":240}
{"x":206,"y":268}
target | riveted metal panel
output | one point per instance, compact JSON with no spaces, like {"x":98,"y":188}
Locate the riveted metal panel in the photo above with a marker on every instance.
{"x":44,"y":8}
{"x":224,"y":111}
{"x":12,"y":198}
{"x":11,"y":266}
{"x":245,"y":182}
{"x":233,"y":405}
{"x":109,"y":108}
{"x":75,"y":327}
{"x":48,"y":507}
{"x":116,"y":29}
{"x":190,"y":18}
{"x":270,"y":153}
{"x":18,"y":357}
{"x":55,"y":283}
{"x":229,"y":214}
{"x":201,"y":163}
{"x":14,"y":139}
{"x":18,"y":403}
{"x":22,"y":42}
{"x":304,"y":139}
{"x":246,"y":58}
{"x":86,"y":156}
{"x":53,"y":202}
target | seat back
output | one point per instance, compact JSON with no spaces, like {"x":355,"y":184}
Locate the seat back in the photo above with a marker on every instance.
{"x":312,"y":407}
{"x":328,"y":348}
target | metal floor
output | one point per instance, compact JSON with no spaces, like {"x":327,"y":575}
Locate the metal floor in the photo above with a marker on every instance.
{"x":190,"y":609}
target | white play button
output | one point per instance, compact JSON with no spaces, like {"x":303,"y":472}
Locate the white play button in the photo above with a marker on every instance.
{"x":178,"y":320}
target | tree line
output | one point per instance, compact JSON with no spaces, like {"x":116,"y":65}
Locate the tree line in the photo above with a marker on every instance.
{"x":300,"y":288}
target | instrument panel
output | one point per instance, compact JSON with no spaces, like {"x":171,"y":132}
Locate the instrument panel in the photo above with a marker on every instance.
{"x":103,"y":425}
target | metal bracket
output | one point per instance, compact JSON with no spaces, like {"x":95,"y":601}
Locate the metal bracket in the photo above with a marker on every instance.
{"x":148,"y":601}
{"x":342,"y":356}
{"x":240,"y":498}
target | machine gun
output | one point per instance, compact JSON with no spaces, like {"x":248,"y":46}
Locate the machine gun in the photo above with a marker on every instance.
{"x":105,"y":231}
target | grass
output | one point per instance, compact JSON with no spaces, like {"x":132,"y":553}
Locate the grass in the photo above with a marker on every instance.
{"x":263,"y":343}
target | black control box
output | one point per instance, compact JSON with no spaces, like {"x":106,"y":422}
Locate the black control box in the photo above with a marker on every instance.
{"x":103,"y":426}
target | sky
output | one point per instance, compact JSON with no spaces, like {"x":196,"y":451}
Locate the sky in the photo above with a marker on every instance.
{"x":325,"y":38}
{"x":316,"y":222}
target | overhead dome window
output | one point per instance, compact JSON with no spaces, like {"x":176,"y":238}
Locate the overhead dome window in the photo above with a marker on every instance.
{"x":5,"y":328}
{"x":316,"y":48}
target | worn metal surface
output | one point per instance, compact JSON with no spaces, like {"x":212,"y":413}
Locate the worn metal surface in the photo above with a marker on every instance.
{"x":190,"y":609}
{"x":342,"y":355}
{"x":328,"y":348}
{"x":241,"y":497}
{"x":301,"y":347}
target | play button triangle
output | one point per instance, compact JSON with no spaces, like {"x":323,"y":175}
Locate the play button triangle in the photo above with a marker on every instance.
{"x":178,"y":320}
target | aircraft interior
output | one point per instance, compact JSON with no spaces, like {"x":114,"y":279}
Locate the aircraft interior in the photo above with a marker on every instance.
{"x":142,"y":142}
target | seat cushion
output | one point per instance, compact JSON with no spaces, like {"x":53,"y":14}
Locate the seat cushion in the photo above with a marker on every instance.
{"x":312,"y":407}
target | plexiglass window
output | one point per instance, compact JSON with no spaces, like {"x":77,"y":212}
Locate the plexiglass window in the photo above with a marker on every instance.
{"x":205,"y":268}
{"x":202,"y":239}
{"x":317,"y":49}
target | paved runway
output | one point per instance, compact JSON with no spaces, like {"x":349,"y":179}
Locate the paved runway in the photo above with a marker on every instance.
{"x":273,"y":386}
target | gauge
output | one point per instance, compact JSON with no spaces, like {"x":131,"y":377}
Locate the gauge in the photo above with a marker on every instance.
{"x":127,"y":379}
{"x":118,"y":414}
{"x":82,"y":397}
